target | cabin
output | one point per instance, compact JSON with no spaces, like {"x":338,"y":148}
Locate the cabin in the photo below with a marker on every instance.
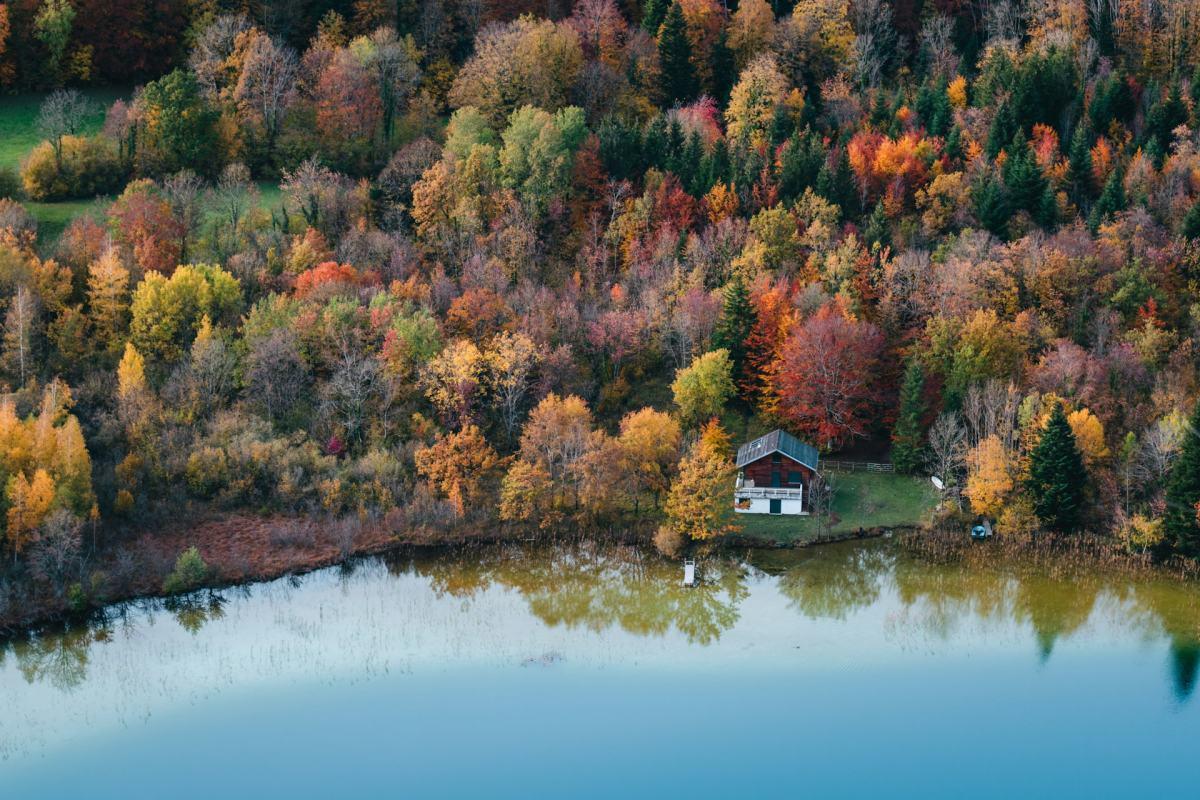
{"x":775,"y":473}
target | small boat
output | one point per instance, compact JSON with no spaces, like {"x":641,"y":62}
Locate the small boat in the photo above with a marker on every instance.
{"x":982,"y":530}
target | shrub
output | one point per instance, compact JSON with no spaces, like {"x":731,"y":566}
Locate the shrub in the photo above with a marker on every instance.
{"x":77,"y":599}
{"x":207,"y":471}
{"x":10,"y":183}
{"x":190,"y":572}
{"x":16,"y":220}
{"x":90,"y":167}
{"x":669,"y":541}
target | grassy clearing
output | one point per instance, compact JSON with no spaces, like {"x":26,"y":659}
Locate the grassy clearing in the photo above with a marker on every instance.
{"x":18,"y":121}
{"x":52,"y":218}
{"x":861,"y":500}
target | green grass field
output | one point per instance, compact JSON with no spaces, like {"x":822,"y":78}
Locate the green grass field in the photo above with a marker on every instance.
{"x":18,"y":121}
{"x":19,"y":135}
{"x":860,"y":500}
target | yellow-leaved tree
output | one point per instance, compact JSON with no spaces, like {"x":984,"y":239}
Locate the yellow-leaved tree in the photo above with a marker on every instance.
{"x":989,"y":476}
{"x":44,"y":466}
{"x":1089,"y":436}
{"x":460,"y":466}
{"x":701,"y":495}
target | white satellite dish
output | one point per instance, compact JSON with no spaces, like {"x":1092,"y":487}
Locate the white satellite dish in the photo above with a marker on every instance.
{"x":937,"y":482}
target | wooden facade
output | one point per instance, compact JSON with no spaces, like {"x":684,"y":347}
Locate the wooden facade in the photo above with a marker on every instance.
{"x":775,"y":473}
{"x":777,"y":470}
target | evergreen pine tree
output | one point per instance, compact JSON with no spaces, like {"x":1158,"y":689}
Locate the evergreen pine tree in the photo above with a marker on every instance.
{"x":654,"y":143}
{"x":675,"y":142}
{"x":1111,"y":201}
{"x":1191,"y":223}
{"x":941,"y":114}
{"x":878,"y":231}
{"x":908,"y":437}
{"x":991,"y":206}
{"x":1164,"y":117}
{"x":953,"y":148}
{"x":1057,"y":476}
{"x":690,"y":172}
{"x":1079,"y":174}
{"x":716,"y":165}
{"x":1183,"y":492}
{"x":1001,"y":131}
{"x":724,"y":70}
{"x":1022,"y":177}
{"x":736,"y":322}
{"x":845,"y":188}
{"x":1046,"y":213}
{"x":620,"y":148}
{"x":675,"y":59}
{"x":653,"y":13}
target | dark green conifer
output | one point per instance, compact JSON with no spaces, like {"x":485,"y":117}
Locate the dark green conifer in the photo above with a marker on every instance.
{"x":1022,"y":177}
{"x":908,"y":437}
{"x":724,"y":70}
{"x":1001,"y":131}
{"x":690,"y":165}
{"x":1057,"y":477}
{"x":1191,"y":223}
{"x":735,"y":324}
{"x":653,"y":13}
{"x":878,"y":230}
{"x":1046,"y":213}
{"x":1183,"y":492}
{"x":716,"y":165}
{"x":1111,"y":201}
{"x":1079,"y":174}
{"x":654,"y":143}
{"x":991,"y":206}
{"x":675,"y":59}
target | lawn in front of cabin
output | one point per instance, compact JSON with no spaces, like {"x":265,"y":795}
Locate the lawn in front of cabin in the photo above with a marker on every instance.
{"x":860,"y":500}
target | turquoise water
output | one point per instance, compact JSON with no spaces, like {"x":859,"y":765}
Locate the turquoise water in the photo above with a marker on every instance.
{"x":849,"y":671}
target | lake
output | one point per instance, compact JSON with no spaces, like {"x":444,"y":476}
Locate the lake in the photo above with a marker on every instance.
{"x":852,"y":670}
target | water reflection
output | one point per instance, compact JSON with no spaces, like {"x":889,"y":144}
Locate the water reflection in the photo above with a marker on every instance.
{"x":829,"y":582}
{"x":594,"y":587}
{"x":876,"y":594}
{"x":193,"y":611}
{"x":59,"y":658}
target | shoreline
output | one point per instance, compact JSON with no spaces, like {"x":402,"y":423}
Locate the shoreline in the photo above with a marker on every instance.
{"x":241,"y":550}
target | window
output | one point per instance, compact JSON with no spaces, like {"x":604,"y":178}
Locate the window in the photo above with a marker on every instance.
{"x":795,"y":478}
{"x":776,"y":458}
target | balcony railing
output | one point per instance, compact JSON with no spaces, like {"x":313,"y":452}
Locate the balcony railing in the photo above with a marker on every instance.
{"x":767,"y":492}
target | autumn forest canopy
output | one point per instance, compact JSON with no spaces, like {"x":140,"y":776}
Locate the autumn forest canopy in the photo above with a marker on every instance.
{"x":532,"y":264}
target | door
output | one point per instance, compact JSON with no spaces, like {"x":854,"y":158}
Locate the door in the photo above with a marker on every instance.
{"x":776,"y":481}
{"x":776,"y":506}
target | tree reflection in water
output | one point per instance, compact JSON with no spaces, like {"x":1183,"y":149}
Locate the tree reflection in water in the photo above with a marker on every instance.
{"x":604,"y":587}
{"x":829,"y":582}
{"x":595,"y":586}
{"x":58,"y":657}
{"x":192,"y":611}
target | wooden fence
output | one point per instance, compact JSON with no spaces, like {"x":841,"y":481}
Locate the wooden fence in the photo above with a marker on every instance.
{"x":855,"y":466}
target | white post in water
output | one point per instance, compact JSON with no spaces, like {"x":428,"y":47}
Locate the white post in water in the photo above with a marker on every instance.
{"x":689,"y":572}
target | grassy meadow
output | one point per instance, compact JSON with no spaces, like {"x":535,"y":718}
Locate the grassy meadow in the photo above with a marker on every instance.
{"x":860,"y":500}
{"x":19,"y":135}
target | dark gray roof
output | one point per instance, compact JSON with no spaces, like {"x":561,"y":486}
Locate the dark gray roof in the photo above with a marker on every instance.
{"x":783,"y":442}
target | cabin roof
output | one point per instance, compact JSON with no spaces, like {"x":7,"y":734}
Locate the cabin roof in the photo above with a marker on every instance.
{"x":782,"y":442}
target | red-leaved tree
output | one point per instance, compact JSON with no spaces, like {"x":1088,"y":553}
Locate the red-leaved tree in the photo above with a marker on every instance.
{"x":827,"y":377}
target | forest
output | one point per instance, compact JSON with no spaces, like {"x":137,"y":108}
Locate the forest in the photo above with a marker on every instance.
{"x":447,"y":264}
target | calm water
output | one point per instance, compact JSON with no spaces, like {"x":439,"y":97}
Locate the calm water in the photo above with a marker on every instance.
{"x":848,"y":671}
